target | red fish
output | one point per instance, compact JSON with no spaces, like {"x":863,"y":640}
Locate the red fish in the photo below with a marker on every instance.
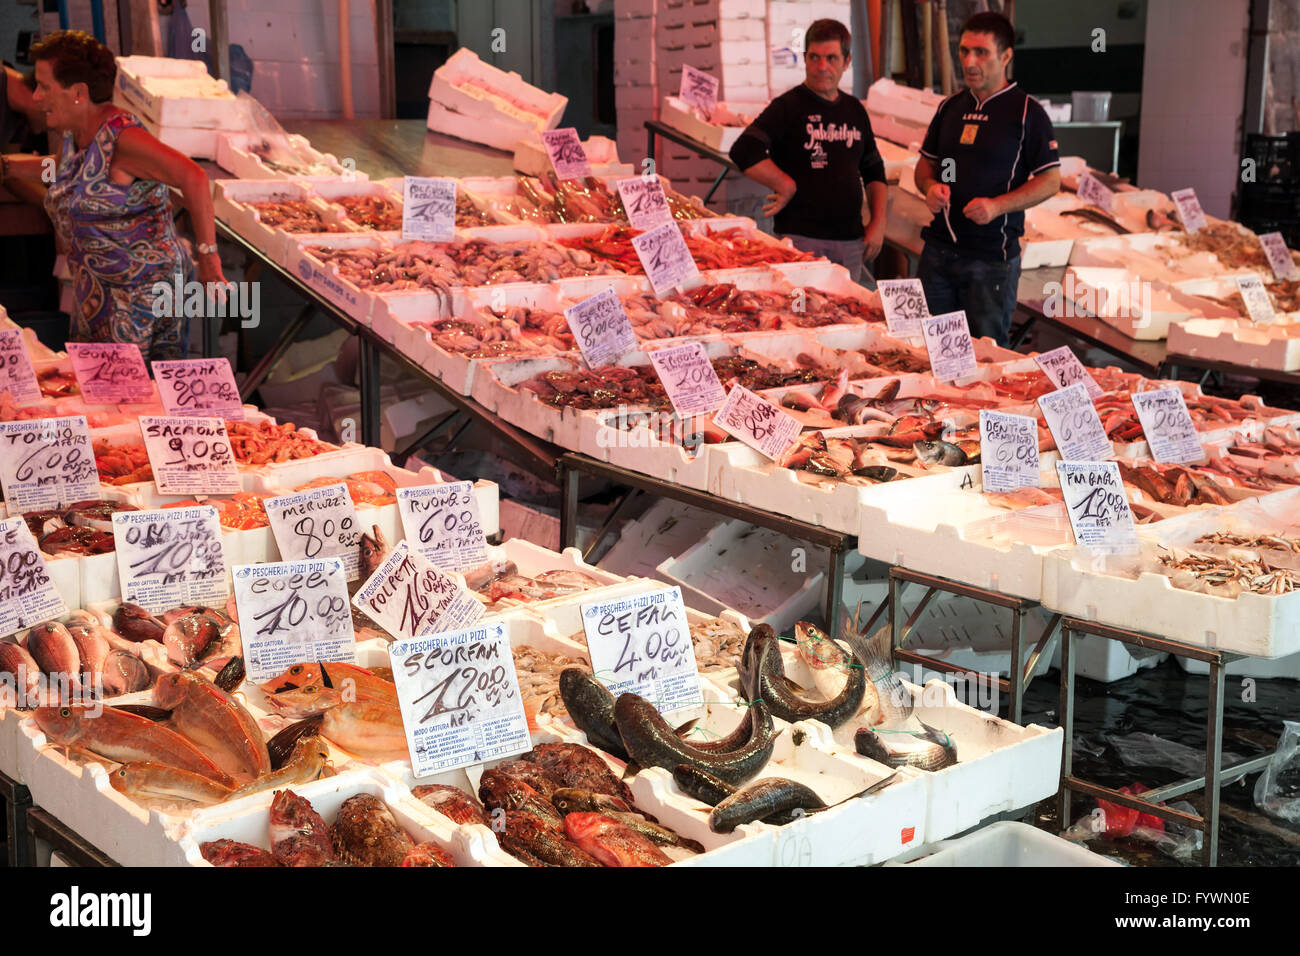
{"x":612,"y":843}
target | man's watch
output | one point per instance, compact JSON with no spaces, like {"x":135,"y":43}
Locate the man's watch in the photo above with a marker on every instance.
{"x":207,"y":249}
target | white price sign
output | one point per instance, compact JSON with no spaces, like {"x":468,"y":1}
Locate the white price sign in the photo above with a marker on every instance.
{"x":1008,"y":451}
{"x":757,"y":422}
{"x":904,"y":303}
{"x":443,"y":523}
{"x":293,"y":611}
{"x":644,"y":202}
{"x":1168,"y":425}
{"x":689,"y":379}
{"x":698,"y":89}
{"x":1189,"y":209}
{"x":1063,"y":369}
{"x":642,"y":645}
{"x":601,"y":328}
{"x":110,"y":373}
{"x":170,"y":557}
{"x":190,"y":456}
{"x":665,"y":257}
{"x":1091,"y":190}
{"x":428,"y":208}
{"x":947,"y":339}
{"x":408,"y":597}
{"x":1279,"y":256}
{"x":317,"y":523}
{"x":204,"y":387}
{"x":1073,"y":421}
{"x":17,"y":376}
{"x":1258,"y":303}
{"x":27,"y":595}
{"x":47,"y":463}
{"x":460,"y":698}
{"x":567,"y":155}
{"x":1098,"y":508}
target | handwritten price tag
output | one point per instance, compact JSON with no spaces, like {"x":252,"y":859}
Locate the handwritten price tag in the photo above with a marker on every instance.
{"x":1168,"y":426}
{"x":1098,"y":508}
{"x":317,"y":523}
{"x":665,"y":257}
{"x":567,"y":155}
{"x":1073,"y":421}
{"x":642,"y":645}
{"x":17,"y":376}
{"x":1259,"y":306}
{"x":408,"y":597}
{"x":947,"y":339}
{"x":293,"y":611}
{"x":904,"y":303}
{"x":601,"y":328}
{"x":460,"y":699}
{"x":644,"y":201}
{"x":1189,"y":209}
{"x":757,"y":422}
{"x":698,"y":89}
{"x":170,"y":557}
{"x":199,"y":387}
{"x":190,"y":456}
{"x":443,"y":523}
{"x":47,"y":463}
{"x":110,"y":373}
{"x":1008,"y":451}
{"x":1091,"y":190}
{"x":1279,"y":256}
{"x":27,"y":594}
{"x":1063,"y":369}
{"x":689,"y":379}
{"x":428,"y":208}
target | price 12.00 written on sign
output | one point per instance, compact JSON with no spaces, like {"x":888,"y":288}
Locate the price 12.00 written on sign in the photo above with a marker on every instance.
{"x":293,"y":611}
{"x":1098,"y":507}
{"x":642,"y":645}
{"x":27,"y":594}
{"x":170,"y":557}
{"x":46,"y":463}
{"x":317,"y":523}
{"x":443,"y":523}
{"x":460,"y":698}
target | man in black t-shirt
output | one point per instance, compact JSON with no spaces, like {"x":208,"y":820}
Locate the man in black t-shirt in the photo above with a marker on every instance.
{"x":813,"y":147}
{"x":989,"y":154}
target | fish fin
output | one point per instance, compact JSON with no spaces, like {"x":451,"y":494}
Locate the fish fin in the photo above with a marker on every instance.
{"x":934,"y":734}
{"x":877,"y":786}
{"x":631,"y":770}
{"x":687,"y":727}
{"x":795,"y":686}
{"x":325,"y":675}
{"x":532,"y":707}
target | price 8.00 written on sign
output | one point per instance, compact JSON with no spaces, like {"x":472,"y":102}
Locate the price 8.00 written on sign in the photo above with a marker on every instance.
{"x":698,"y":89}
{"x":1098,"y":508}
{"x":1063,"y":369}
{"x":17,"y":376}
{"x":170,"y":557}
{"x":568,"y":158}
{"x":27,"y":594}
{"x":443,"y":523}
{"x":428,"y":208}
{"x":642,"y":645}
{"x":947,"y":339}
{"x":1279,"y":256}
{"x":46,"y":463}
{"x":190,"y":456}
{"x":1189,"y":209}
{"x":644,"y":202}
{"x":1168,"y":426}
{"x":1073,"y":421}
{"x":460,"y":698}
{"x":317,"y":523}
{"x":1091,"y":190}
{"x":689,"y":379}
{"x":904,"y":303}
{"x":110,"y":373}
{"x":601,"y":328}
{"x":199,"y":387}
{"x":665,"y":257}
{"x":408,"y":597}
{"x":1259,"y":306}
{"x":757,"y":422}
{"x":293,"y":611}
{"x":1008,"y":451}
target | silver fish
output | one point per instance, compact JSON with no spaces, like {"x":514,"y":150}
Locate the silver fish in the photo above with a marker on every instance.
{"x":933,"y":453}
{"x":930,"y":749}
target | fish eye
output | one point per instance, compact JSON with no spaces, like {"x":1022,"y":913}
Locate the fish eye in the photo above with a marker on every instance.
{"x":295,"y":669}
{"x":65,"y":712}
{"x":311,"y":689}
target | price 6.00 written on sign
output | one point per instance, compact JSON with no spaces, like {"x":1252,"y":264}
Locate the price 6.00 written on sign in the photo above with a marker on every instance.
{"x":1008,"y":451}
{"x":46,"y":463}
{"x":443,"y":523}
{"x":293,"y":611}
{"x":170,"y":557}
{"x":1073,"y":421}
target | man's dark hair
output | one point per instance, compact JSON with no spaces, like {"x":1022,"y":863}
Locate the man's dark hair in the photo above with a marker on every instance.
{"x":823,"y":30}
{"x":1004,"y":34}
{"x":77,"y":57}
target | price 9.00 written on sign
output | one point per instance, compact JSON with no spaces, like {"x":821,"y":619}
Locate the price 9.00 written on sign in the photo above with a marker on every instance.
{"x":190,"y":456}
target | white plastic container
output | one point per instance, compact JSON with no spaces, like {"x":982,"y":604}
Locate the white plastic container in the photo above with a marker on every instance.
{"x":1009,"y":843}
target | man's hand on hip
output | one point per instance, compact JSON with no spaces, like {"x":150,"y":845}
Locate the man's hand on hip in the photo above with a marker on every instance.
{"x":982,"y":211}
{"x":779,"y":200}
{"x":875,"y":241}
{"x":937,"y":198}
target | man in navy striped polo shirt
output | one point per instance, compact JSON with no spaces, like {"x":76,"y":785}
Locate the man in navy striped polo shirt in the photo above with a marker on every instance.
{"x":989,"y":154}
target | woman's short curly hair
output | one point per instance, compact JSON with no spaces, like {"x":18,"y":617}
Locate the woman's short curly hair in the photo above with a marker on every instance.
{"x":77,"y":57}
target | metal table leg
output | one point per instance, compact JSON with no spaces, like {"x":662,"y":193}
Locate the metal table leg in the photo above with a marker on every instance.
{"x":1066,"y":708}
{"x":1213,"y":765}
{"x":835,"y":592}
{"x":1016,"y":691}
{"x":716,"y":183}
{"x":568,"y":480}
{"x":369,"y":362}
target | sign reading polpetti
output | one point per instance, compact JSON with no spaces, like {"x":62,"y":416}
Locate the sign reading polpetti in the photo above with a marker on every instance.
{"x":408,"y":597}
{"x":428,"y":208}
{"x":110,"y":373}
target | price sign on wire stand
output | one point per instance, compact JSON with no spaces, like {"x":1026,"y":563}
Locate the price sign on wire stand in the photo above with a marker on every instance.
{"x":1279,"y":256}
{"x":46,"y":463}
{"x":644,"y":202}
{"x":601,"y":328}
{"x":428,"y":208}
{"x":408,"y":597}
{"x":17,"y":376}
{"x":904,"y":303}
{"x":568,"y":158}
{"x":199,"y":387}
{"x":1098,"y":508}
{"x":190,"y":456}
{"x":757,"y":422}
{"x":1256,"y":298}
{"x":27,"y":593}
{"x":110,"y":373}
{"x":698,"y":89}
{"x":665,"y":257}
{"x":689,"y":379}
{"x":293,"y":611}
{"x":170,"y":557}
{"x":1008,"y":451}
{"x":947,"y":339}
{"x":460,"y":698}
{"x":1168,"y":426}
{"x":1063,"y":368}
{"x":1074,"y":423}
{"x":1189,"y":209}
{"x":443,"y":523}
{"x":642,"y":645}
{"x":317,"y":523}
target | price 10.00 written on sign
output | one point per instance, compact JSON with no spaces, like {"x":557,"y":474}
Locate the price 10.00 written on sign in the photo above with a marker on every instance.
{"x":170,"y":557}
{"x":293,"y":611}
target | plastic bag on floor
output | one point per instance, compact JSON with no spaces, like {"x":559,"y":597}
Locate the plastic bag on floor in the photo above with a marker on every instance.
{"x":1175,"y":840}
{"x":1147,"y":750}
{"x":1277,"y":791}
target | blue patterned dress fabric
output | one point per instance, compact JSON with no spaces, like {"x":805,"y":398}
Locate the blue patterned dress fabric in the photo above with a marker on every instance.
{"x":120,"y":241}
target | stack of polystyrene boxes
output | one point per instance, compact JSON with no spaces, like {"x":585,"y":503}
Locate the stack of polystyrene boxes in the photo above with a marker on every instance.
{"x":636,"y":89}
{"x":786,"y":23}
